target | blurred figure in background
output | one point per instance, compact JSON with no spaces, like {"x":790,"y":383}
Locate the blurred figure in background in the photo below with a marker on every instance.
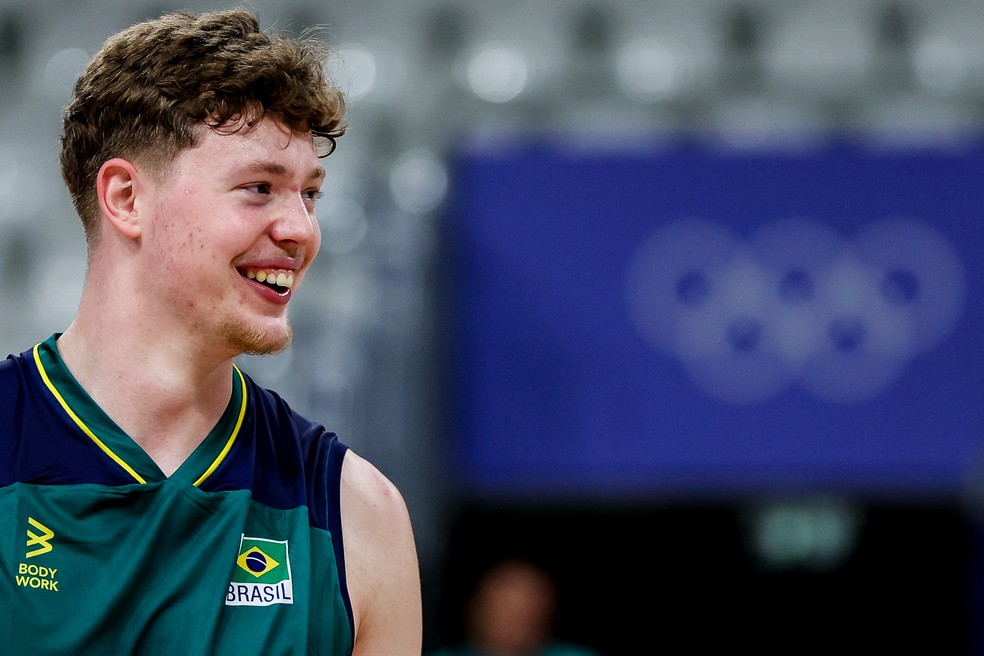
{"x":511,"y":612}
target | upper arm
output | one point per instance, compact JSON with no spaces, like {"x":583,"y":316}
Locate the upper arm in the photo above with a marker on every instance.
{"x":380,"y":562}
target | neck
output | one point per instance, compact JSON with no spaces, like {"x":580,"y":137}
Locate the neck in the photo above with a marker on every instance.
{"x":156,"y":387}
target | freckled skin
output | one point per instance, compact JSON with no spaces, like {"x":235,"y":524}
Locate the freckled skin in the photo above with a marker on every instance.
{"x":214,"y":222}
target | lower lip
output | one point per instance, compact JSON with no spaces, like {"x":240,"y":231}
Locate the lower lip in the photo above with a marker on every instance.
{"x":268,"y":294}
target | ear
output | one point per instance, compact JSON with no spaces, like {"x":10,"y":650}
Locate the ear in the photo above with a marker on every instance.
{"x":117,"y":184}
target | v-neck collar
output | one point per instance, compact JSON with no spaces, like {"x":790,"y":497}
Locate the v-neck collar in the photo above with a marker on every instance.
{"x":120,"y":447}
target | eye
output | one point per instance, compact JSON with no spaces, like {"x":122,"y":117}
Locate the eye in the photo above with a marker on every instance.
{"x":310,"y":198}
{"x":263,"y":188}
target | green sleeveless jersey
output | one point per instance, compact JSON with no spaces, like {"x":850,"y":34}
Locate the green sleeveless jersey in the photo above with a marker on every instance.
{"x":239,"y":552}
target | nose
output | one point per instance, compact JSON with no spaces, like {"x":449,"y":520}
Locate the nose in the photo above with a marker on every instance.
{"x":295,"y":223}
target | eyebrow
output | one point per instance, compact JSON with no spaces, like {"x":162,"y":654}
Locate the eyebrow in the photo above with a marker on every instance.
{"x":272,"y":168}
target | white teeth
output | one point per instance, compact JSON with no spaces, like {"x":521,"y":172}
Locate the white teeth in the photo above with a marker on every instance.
{"x":281,"y":279}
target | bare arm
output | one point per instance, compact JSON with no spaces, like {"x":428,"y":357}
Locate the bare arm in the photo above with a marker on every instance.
{"x":380,"y":562}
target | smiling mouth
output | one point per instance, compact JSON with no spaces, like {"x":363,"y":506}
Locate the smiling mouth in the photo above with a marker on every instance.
{"x":279,"y":281}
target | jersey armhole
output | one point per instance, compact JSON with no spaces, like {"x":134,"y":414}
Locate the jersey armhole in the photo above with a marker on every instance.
{"x":333,"y":483}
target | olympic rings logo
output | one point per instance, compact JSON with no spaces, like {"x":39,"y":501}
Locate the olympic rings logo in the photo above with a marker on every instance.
{"x":795,"y":304}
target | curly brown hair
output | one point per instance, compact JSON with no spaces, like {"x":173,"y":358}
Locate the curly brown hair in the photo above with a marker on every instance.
{"x":147,"y":94}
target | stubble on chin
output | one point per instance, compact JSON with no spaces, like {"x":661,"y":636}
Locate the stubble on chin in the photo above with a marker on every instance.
{"x":249,"y":341}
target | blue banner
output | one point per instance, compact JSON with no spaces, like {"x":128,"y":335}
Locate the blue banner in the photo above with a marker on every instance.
{"x":701,"y":321}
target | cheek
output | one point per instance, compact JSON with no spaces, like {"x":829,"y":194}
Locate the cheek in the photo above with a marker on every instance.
{"x":195,"y":241}
{"x":174,"y":244}
{"x":182,"y":231}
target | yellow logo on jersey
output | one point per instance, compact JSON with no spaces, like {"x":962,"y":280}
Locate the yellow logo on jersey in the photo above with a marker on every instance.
{"x":38,"y":539}
{"x":38,"y":577}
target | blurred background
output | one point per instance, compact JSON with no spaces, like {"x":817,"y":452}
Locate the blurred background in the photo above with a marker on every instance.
{"x":680,"y":297}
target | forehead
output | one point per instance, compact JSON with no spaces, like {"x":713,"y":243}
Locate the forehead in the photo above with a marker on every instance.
{"x":268,"y":142}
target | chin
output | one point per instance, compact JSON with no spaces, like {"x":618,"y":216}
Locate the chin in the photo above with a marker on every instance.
{"x":258,"y":342}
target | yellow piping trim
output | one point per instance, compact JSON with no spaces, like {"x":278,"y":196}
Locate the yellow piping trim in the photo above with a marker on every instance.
{"x":232,"y":437}
{"x":78,"y":422}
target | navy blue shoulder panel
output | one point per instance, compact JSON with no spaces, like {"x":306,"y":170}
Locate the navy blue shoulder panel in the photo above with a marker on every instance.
{"x":283,"y":458}
{"x":39,"y":442}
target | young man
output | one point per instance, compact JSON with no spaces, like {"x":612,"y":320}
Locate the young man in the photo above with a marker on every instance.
{"x":153,"y":498}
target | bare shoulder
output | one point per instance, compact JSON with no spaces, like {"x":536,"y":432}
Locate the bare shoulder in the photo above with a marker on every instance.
{"x":380,"y":561}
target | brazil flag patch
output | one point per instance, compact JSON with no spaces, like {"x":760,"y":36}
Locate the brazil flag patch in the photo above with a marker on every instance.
{"x":261,"y":576}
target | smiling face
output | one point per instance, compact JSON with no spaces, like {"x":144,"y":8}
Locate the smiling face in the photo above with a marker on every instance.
{"x":232,"y":232}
